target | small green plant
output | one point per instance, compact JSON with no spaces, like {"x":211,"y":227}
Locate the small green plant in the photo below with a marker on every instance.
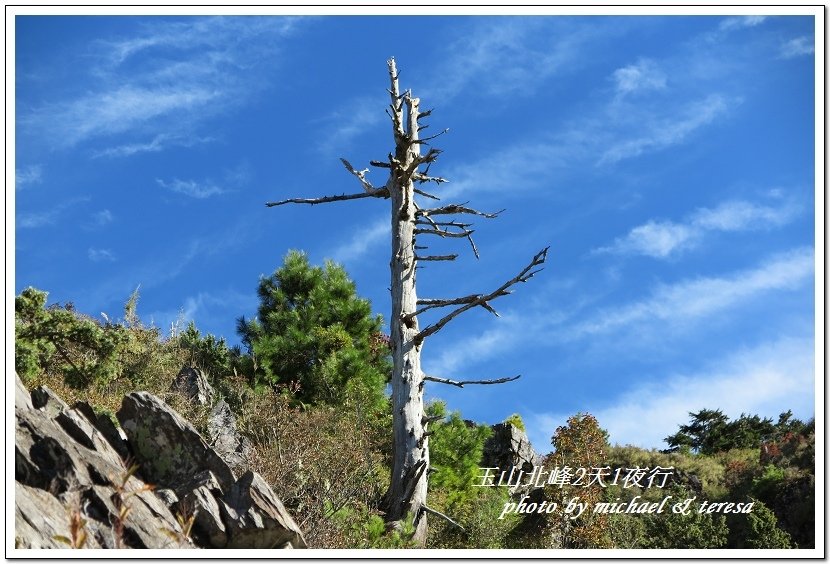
{"x":517,"y":421}
{"x":121,"y":501}
{"x":77,"y":531}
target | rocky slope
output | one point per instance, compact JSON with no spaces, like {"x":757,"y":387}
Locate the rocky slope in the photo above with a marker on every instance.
{"x":150,"y":482}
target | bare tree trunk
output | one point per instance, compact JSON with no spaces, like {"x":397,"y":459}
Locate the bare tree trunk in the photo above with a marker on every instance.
{"x":408,"y":489}
{"x":407,"y":494}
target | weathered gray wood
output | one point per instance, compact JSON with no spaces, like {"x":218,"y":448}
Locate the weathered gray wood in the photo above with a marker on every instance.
{"x":407,"y":493}
{"x":408,"y":489}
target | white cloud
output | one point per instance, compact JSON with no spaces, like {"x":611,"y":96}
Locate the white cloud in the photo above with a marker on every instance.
{"x":344,"y":125}
{"x":645,"y":75}
{"x":205,"y":309}
{"x":766,"y":380}
{"x":660,"y":239}
{"x":741,"y":22}
{"x":508,"y":56}
{"x":117,"y":111}
{"x":192,"y":188}
{"x":667,"y":308}
{"x":37,"y":219}
{"x":157,"y":144}
{"x":210,"y":65}
{"x":668,"y":131}
{"x":100,"y":255}
{"x":654,"y":239}
{"x":29,"y":175}
{"x":796,"y":47}
{"x":102,"y":218}
{"x":362,"y":240}
{"x":692,"y":300}
{"x":32,"y":220}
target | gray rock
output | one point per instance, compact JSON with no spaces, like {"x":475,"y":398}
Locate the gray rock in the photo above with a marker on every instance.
{"x":104,"y":425}
{"x":44,"y":398}
{"x":39,"y":518}
{"x":193,"y":383}
{"x":64,"y":466}
{"x":67,"y":466}
{"x":508,"y":447}
{"x":226,"y":440}
{"x":168,"y":449}
{"x":201,"y":502}
{"x":255,"y":517}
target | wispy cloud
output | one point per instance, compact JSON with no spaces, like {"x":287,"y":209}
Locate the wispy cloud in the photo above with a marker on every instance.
{"x":206,"y":309}
{"x":32,"y":220}
{"x":797,"y":47}
{"x":667,"y":131}
{"x":741,"y":22}
{"x":32,"y":174}
{"x":508,"y":56}
{"x":661,"y":239}
{"x":100,"y":255}
{"x":692,"y":300}
{"x":667,"y":308}
{"x":642,"y":76}
{"x":101,"y":218}
{"x":362,"y":240}
{"x":157,"y":144}
{"x":232,"y":179}
{"x":766,"y":380}
{"x":198,"y":190}
{"x":206,"y":69}
{"x":347,"y":123}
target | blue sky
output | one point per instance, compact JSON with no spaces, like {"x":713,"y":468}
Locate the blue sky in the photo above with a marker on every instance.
{"x":668,"y":162}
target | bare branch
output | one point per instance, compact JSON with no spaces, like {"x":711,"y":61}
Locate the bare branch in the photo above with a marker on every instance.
{"x":431,"y":419}
{"x":425,"y":194}
{"x":379,"y":193}
{"x":437,"y":257}
{"x":380,"y":164}
{"x":423,"y":178}
{"x":442,"y":516}
{"x":432,"y":303}
{"x":431,"y":137}
{"x":455,"y":208}
{"x":442,"y":232}
{"x":361,"y":175}
{"x":462,"y":383}
{"x":523,"y":276}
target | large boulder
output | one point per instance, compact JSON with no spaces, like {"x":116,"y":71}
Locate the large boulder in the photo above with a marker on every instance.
{"x":167,"y":447}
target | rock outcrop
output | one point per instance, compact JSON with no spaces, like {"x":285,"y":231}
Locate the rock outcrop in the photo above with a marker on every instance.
{"x":508,"y":447}
{"x":193,"y":383}
{"x":226,"y":440}
{"x":71,"y":467}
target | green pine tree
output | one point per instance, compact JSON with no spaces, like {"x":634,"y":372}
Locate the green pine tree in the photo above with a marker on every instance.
{"x":314,"y":336}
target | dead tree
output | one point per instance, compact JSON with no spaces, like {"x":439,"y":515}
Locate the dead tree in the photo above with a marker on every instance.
{"x":408,"y":170}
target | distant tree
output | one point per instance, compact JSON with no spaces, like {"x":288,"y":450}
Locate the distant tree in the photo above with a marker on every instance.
{"x":314,"y":334}
{"x":710,"y":431}
{"x":206,"y":351}
{"x":581,"y":444}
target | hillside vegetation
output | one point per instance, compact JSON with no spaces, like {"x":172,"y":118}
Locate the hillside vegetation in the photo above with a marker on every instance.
{"x":308,"y":389}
